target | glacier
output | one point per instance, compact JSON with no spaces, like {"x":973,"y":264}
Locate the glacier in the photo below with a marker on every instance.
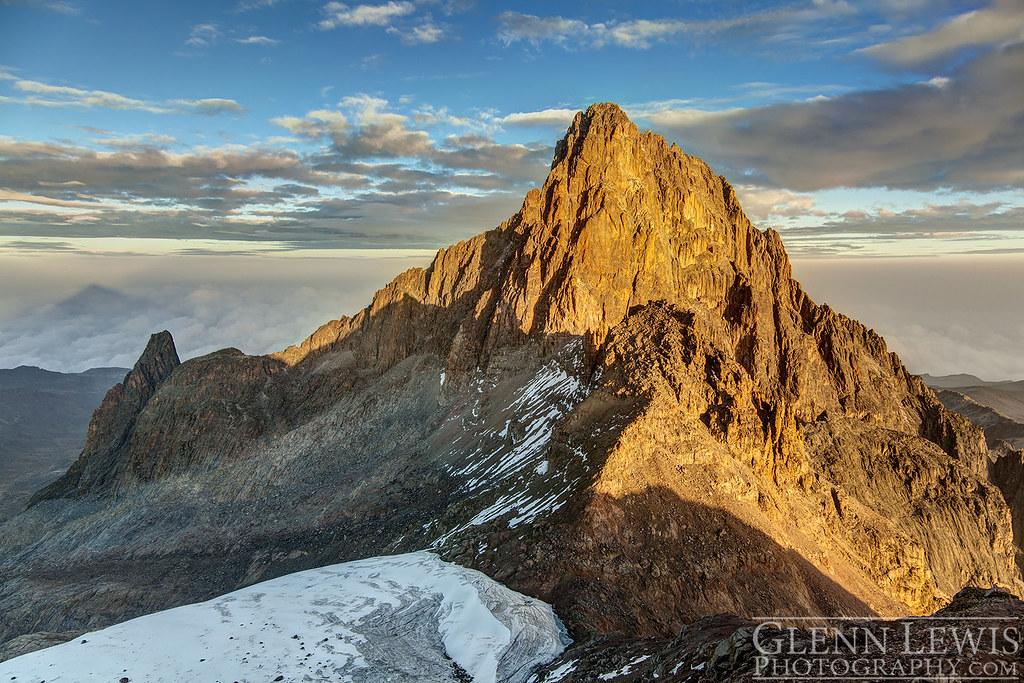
{"x":399,"y":618}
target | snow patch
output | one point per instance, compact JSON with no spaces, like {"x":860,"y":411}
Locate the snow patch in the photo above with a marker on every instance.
{"x":625,"y":670}
{"x":558,"y":673}
{"x":407,"y":616}
{"x":511,"y":460}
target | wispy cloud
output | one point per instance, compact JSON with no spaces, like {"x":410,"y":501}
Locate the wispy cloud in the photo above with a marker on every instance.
{"x":203,"y":35}
{"x":339,"y":14}
{"x":210,"y":106}
{"x":421,"y":34}
{"x":258,"y":40}
{"x":58,"y":6}
{"x":38,"y":93}
{"x":251,"y":5}
{"x":44,"y":94}
{"x":999,"y":24}
{"x":775,"y":24}
{"x":544,"y":117}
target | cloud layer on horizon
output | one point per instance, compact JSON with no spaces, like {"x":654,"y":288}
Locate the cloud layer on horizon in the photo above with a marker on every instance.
{"x":942,"y":316}
{"x":257,"y":305}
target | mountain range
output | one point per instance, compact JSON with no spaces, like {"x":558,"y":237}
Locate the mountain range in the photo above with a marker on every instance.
{"x":619,"y":401}
{"x":43,"y":418}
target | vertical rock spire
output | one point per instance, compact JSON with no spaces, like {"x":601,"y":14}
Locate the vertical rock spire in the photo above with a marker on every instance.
{"x":112,"y":423}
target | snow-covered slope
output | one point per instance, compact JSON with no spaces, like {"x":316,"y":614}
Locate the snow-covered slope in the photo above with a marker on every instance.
{"x":401,"y":618}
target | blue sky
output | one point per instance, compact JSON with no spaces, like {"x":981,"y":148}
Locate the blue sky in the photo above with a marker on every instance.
{"x":881,"y":127}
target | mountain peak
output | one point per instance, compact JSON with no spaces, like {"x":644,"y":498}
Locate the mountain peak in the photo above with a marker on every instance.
{"x":98,"y":465}
{"x":600,"y":121}
{"x":624,"y":218}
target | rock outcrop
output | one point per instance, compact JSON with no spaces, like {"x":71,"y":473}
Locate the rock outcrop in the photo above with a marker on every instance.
{"x":722,"y":649}
{"x":618,"y":401}
{"x":102,"y":460}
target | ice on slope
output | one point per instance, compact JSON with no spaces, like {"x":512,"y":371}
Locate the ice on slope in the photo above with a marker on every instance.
{"x":399,"y":618}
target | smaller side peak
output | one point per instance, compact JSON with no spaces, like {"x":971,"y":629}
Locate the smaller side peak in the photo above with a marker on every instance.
{"x":158,"y":360}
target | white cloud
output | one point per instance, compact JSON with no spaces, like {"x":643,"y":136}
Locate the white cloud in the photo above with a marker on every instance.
{"x":765,"y":204}
{"x":258,"y":40}
{"x":211,"y":106}
{"x":1000,"y":23}
{"x":941,"y":315}
{"x":203,"y":35}
{"x":250,"y":5}
{"x":544,"y":117}
{"x":422,"y":34}
{"x":44,"y":94}
{"x":340,"y":14}
{"x":58,"y":6}
{"x":515,"y":27}
{"x":315,"y":124}
{"x":37,"y":93}
{"x":781,"y":24}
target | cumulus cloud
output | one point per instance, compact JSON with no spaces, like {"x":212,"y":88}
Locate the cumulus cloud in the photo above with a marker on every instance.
{"x":398,"y":17}
{"x":764,"y":205}
{"x":369,"y":176}
{"x":370,"y":129}
{"x":1000,"y":23}
{"x":340,"y":14}
{"x":968,"y":133}
{"x":421,"y":34}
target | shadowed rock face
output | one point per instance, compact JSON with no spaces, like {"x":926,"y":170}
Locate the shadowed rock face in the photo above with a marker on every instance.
{"x":102,"y":461}
{"x":616,"y":399}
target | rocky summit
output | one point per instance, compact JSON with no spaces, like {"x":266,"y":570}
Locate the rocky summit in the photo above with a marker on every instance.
{"x":618,"y":401}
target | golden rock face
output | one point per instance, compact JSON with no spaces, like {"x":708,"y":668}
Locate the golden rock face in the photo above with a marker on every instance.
{"x":758,"y":404}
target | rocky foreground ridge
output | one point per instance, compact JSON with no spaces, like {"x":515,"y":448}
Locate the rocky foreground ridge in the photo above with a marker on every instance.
{"x":618,"y":401}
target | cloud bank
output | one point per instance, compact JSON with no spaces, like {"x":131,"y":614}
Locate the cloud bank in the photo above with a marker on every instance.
{"x":966,"y":132}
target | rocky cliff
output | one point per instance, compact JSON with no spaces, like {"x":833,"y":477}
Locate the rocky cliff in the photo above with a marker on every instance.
{"x":619,"y":401}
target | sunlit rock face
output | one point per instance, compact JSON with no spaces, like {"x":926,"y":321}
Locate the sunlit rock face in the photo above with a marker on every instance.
{"x":618,"y":401}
